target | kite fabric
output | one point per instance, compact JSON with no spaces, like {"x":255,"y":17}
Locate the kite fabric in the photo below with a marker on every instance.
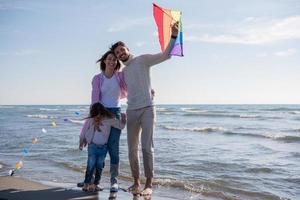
{"x":164,"y":18}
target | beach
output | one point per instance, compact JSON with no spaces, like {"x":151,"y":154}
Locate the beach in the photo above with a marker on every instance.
{"x":20,"y":189}
{"x":17,"y":188}
{"x":206,"y":152}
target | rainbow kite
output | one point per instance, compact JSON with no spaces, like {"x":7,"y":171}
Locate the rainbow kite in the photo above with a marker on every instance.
{"x":164,"y":18}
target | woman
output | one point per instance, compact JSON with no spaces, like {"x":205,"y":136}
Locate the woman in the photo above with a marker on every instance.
{"x":108,"y":87}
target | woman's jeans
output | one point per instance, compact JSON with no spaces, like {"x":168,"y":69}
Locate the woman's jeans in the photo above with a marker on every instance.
{"x":96,"y":158}
{"x":113,"y":147}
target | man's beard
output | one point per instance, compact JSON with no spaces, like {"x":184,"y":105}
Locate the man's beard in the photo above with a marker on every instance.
{"x":124,"y":60}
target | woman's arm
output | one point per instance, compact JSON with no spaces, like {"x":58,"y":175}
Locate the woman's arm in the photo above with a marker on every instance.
{"x":95,"y":89}
{"x":119,"y":124}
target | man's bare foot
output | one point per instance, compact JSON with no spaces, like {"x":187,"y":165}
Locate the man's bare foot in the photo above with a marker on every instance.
{"x":147,"y":191}
{"x":148,"y":183}
{"x":148,"y":187}
{"x":134,"y":189}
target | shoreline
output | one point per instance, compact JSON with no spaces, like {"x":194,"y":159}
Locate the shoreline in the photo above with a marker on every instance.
{"x":18,"y":188}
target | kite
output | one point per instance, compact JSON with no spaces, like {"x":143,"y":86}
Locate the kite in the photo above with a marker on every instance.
{"x":164,"y":18}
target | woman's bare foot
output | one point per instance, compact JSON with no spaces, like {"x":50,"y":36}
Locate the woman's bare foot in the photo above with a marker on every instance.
{"x":85,"y":187}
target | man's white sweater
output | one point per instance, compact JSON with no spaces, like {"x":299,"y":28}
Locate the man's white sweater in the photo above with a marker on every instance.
{"x":138,"y":79}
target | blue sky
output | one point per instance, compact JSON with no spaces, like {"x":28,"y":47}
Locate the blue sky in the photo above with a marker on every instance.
{"x":235,"y":51}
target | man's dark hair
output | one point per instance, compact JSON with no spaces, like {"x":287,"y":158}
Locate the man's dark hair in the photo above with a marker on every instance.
{"x":115,"y":45}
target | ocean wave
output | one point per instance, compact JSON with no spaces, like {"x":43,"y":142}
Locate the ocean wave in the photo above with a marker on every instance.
{"x":49,"y":109}
{"x":161,"y":109}
{"x":41,"y":116}
{"x":76,"y":121}
{"x":77,"y":109}
{"x":195,"y":129}
{"x":202,"y":188}
{"x":282,"y":109}
{"x":246,"y":128}
{"x":284,"y":138}
{"x":196,"y":187}
{"x":295,"y":112}
{"x":250,"y":116}
{"x":296,"y":130}
{"x":292,"y":180}
{"x":193,"y":110}
{"x":244,"y":134}
{"x":76,"y":168}
{"x":259,"y":170}
{"x":167,"y":113}
{"x":214,"y":189}
{"x":280,"y":137}
{"x":208,"y":188}
{"x":1,"y":106}
{"x":224,"y":115}
{"x":295,"y":154}
{"x":206,"y":114}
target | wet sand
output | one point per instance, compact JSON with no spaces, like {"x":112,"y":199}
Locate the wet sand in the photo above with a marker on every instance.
{"x":16,"y":188}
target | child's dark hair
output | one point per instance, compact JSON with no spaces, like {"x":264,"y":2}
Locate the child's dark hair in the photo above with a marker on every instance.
{"x":103,"y":65}
{"x":98,"y":109}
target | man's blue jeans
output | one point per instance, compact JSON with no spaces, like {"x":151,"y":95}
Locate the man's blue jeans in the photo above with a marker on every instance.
{"x":96,"y":157}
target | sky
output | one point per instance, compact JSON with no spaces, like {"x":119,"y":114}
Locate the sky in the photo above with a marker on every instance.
{"x":235,"y":52}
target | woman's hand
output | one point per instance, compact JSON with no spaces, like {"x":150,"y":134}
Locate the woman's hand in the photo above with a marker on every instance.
{"x":82,"y":144}
{"x":123,"y":118}
{"x":80,"y":147}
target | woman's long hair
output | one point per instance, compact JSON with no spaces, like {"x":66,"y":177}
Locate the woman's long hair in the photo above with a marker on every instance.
{"x":103,"y":65}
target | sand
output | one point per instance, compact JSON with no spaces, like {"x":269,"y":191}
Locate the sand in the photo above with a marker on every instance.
{"x":16,"y":188}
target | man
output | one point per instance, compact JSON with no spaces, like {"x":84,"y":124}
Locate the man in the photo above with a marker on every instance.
{"x":141,"y":110}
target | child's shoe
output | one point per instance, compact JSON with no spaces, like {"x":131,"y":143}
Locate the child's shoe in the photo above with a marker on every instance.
{"x":114,"y":187}
{"x":97,"y":188}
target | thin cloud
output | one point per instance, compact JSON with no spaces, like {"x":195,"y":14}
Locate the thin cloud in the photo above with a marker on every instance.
{"x":129,"y":23}
{"x":249,"y":31}
{"x":14,"y":5}
{"x":288,"y":52}
{"x":140,"y":44}
{"x":26,"y":52}
{"x":22,"y":52}
{"x":262,"y":55}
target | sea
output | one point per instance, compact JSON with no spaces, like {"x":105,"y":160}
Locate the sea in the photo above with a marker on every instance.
{"x":213,"y":151}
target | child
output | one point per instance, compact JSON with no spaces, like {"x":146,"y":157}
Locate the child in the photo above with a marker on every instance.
{"x":95,"y":133}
